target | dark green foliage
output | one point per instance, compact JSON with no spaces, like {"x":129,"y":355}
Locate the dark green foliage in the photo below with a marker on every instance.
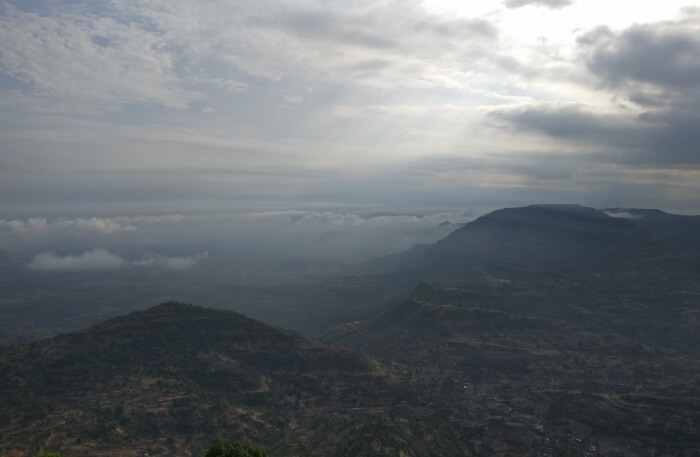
{"x":49,"y":454}
{"x":234,"y":449}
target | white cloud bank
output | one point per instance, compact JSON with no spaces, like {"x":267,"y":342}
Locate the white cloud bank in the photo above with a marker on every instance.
{"x":97,"y":259}
{"x":98,"y":225}
{"x":623,"y":215}
{"x":171,"y":263}
{"x":102,"y":259}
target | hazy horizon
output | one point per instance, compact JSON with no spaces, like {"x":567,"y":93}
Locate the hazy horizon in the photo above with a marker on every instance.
{"x":143,"y":133}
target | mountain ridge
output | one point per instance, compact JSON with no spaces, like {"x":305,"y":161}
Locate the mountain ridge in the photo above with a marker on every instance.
{"x":556,"y":239}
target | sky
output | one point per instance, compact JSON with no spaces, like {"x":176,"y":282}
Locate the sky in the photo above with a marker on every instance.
{"x":124,"y":109}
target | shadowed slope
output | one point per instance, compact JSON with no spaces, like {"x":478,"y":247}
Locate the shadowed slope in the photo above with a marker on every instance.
{"x":531,"y":241}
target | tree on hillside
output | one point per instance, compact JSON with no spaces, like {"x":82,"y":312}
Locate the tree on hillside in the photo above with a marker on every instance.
{"x":234,"y":449}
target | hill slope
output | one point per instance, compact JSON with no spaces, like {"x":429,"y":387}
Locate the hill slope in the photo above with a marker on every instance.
{"x":168,"y":380}
{"x":599,"y":371}
{"x":564,"y":316}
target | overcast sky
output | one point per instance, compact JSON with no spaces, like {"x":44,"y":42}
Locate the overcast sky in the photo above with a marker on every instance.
{"x":124,"y":107}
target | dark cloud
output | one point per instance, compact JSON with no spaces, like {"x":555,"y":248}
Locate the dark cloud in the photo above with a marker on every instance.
{"x":673,"y":136}
{"x":545,"y":3}
{"x":666,"y":55}
{"x":653,"y":66}
{"x":657,"y":67}
{"x":569,"y":122}
{"x":648,"y":100}
{"x":666,"y":138}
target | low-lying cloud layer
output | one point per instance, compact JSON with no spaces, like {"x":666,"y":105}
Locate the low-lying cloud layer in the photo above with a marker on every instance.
{"x":97,"y":259}
{"x":102,"y":259}
{"x":623,"y":215}
{"x":172,"y":263}
{"x":98,"y":225}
